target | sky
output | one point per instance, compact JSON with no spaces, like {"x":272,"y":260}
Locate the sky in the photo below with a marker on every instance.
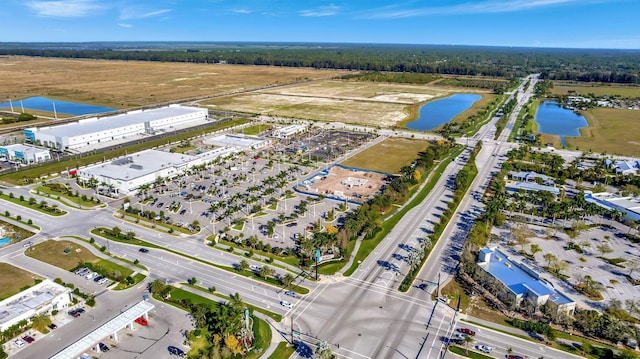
{"x":527,"y":23}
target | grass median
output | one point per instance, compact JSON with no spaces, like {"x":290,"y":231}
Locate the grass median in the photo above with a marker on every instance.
{"x":50,"y":210}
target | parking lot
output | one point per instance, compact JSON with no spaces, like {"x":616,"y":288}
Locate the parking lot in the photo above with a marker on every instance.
{"x":611,"y":277}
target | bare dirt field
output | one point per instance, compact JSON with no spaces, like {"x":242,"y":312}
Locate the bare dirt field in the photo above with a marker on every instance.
{"x":346,"y":183}
{"x":598,"y":89}
{"x":396,"y":151}
{"x":609,"y":131}
{"x":367,"y":103}
{"x":126,"y":84}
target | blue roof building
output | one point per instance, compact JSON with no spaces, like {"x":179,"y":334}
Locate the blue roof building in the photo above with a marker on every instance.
{"x":521,"y":282}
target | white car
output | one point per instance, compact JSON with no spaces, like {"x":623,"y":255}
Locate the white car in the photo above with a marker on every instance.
{"x":284,"y":303}
{"x":91,"y":275}
{"x":484,"y":348}
{"x":19,"y":343}
{"x":292,"y":294}
{"x":103,"y":281}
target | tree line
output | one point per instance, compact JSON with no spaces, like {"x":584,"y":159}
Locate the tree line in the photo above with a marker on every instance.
{"x":560,"y":64}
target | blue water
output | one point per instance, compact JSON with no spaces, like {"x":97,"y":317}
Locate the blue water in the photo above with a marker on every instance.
{"x":438,"y":112}
{"x":46,"y":104}
{"x":552,"y":119}
{"x":4,"y":241}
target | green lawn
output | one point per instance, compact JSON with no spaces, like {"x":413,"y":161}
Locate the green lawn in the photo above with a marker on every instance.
{"x":262,"y":333}
{"x":254,"y":130}
{"x":396,"y":151}
{"x":275,"y":316}
{"x":282,"y":351}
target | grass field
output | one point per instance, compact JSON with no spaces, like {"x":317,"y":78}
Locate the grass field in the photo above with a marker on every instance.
{"x":254,"y":130}
{"x":14,"y":279}
{"x":126,"y":84}
{"x":283,"y":350}
{"x":610,"y":130}
{"x":564,"y":88}
{"x":397,"y":152}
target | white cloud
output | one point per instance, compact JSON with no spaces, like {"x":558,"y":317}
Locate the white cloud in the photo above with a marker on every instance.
{"x":485,"y":7}
{"x":64,"y":8}
{"x":125,"y":25}
{"x":328,"y":10}
{"x":139,"y":13}
{"x":241,"y":11}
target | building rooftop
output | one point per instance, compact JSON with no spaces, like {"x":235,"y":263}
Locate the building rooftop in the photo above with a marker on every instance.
{"x":29,"y":299}
{"x":514,"y":277}
{"x":530,"y":186}
{"x":94,"y":124}
{"x":138,"y":164}
{"x":614,"y":201}
{"x":241,"y":140}
{"x":18,"y":147}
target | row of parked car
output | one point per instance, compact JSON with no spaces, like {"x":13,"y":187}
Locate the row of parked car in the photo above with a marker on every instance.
{"x":89,"y":274}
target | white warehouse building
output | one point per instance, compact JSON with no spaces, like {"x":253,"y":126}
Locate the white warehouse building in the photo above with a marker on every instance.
{"x":127,"y":174}
{"x":41,"y":298}
{"x":24,"y":153}
{"x":93,"y":131}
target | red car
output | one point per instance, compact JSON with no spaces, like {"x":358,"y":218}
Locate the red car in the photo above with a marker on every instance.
{"x":466,"y":331}
{"x":514,"y":357}
{"x":142,"y":321}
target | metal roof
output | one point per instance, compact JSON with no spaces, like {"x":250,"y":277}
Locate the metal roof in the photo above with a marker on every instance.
{"x":81,"y":345}
{"x":93,"y":125}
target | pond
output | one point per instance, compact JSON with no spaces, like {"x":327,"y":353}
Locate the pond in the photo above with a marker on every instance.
{"x":4,"y":241}
{"x":439,"y":112}
{"x":61,"y":107}
{"x":553,"y":119}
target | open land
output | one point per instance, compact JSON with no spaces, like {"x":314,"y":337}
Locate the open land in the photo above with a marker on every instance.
{"x":13,"y":279}
{"x":608,"y":131}
{"x":367,"y":103}
{"x":126,"y":84}
{"x":598,"y":89}
{"x":52,"y":252}
{"x":396,"y":151}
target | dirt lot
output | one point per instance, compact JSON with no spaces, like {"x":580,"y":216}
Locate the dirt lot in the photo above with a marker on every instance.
{"x":125,"y":84}
{"x":367,"y":103}
{"x":347,"y":183}
{"x":608,"y":131}
{"x":13,"y":279}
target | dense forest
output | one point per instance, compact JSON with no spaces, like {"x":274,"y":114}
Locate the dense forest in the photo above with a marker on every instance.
{"x":621,"y":66}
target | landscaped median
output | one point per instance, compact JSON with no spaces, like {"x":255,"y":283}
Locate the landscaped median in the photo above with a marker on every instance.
{"x":32,"y":203}
{"x":464,"y":352}
{"x":57,"y":191}
{"x":108,"y":234}
{"x":462,"y":181}
{"x":367,"y":246}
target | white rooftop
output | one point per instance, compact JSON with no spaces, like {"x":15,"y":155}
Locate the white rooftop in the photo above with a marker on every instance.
{"x":18,"y":147}
{"x":138,"y":164}
{"x":105,"y":330}
{"x":92,"y":125}
{"x":29,"y":299}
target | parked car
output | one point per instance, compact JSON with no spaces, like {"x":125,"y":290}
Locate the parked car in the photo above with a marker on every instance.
{"x":284,"y":303}
{"x":510,"y":356}
{"x":484,"y":348}
{"x":28,"y":339}
{"x":27,"y":244}
{"x":292,"y":294}
{"x":52,"y":326}
{"x":91,"y":275}
{"x":175,"y":351}
{"x":19,"y":343}
{"x":142,"y":321}
{"x":80,"y":310}
{"x":74,"y":313}
{"x":143,"y":250}
{"x":466,"y":331}
{"x":103,"y":347}
{"x":103,"y":281}
{"x":98,"y":278}
{"x":82,"y":271}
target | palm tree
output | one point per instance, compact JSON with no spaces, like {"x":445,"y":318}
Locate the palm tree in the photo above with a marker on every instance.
{"x":287,"y":279}
{"x":323,"y":350}
{"x":243,"y":266}
{"x":116,"y":231}
{"x":265,"y":271}
{"x":40,"y":321}
{"x":467,"y":340}
{"x":157,"y":286}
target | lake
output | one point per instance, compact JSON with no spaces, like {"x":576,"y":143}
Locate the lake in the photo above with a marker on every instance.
{"x":438,"y":112}
{"x":553,"y":119}
{"x":46,"y":104}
